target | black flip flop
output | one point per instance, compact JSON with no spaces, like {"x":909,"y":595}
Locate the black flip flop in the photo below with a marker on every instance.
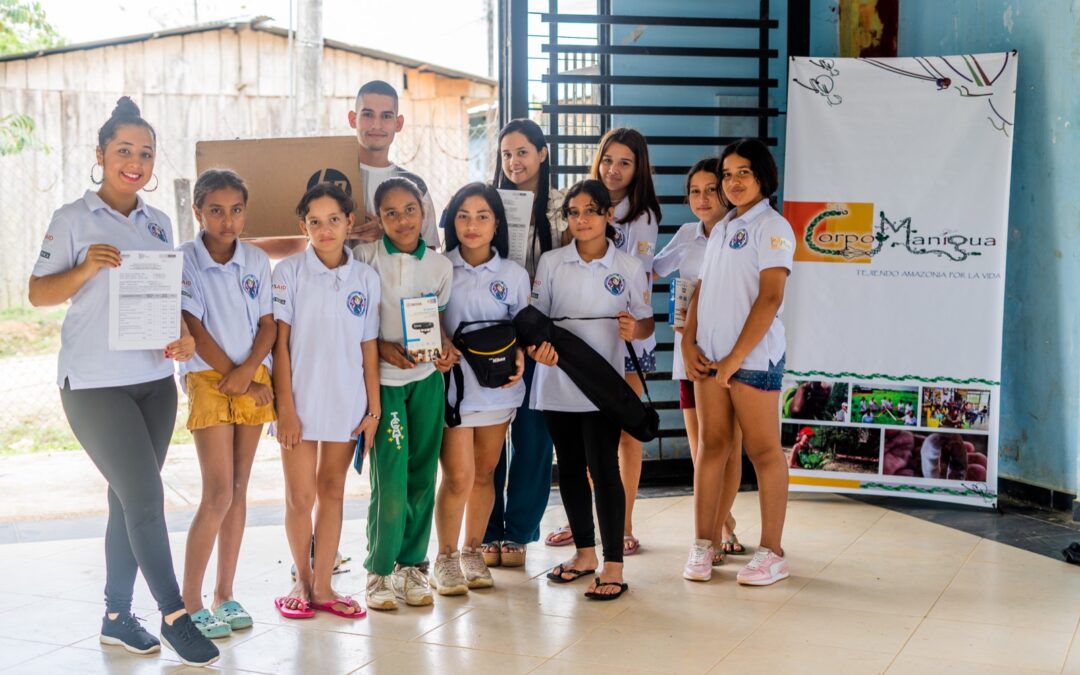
{"x":559,"y":579}
{"x":592,"y":595}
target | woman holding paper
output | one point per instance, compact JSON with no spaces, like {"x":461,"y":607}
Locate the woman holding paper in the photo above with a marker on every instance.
{"x":515,"y":520}
{"x":684,"y":253}
{"x":121,"y":404}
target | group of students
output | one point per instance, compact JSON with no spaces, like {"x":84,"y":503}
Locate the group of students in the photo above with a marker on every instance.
{"x":315,"y":346}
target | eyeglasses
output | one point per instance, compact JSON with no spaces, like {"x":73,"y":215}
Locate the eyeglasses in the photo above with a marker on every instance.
{"x":741,"y":175}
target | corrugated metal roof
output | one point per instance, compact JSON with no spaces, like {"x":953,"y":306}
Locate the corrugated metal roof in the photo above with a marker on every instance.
{"x":259,"y":23}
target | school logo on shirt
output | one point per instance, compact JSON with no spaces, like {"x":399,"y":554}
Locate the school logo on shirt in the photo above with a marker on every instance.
{"x":615,"y":284}
{"x":251,"y":285}
{"x":619,"y":238}
{"x":157,"y":231}
{"x":740,"y":239}
{"x":644,"y":248}
{"x":498,"y":290}
{"x":357,"y":303}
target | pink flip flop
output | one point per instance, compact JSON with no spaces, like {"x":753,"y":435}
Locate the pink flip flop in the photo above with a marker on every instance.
{"x":554,"y":540}
{"x":634,"y":547}
{"x":304,"y":611}
{"x":347,"y":600}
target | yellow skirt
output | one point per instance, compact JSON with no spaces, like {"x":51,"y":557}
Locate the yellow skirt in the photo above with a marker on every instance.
{"x":208,"y":407}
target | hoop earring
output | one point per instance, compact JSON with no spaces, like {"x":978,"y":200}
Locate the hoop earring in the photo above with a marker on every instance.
{"x":156,"y":185}
{"x":97,"y":182}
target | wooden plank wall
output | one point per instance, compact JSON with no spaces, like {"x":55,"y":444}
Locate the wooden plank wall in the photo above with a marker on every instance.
{"x":220,"y":84}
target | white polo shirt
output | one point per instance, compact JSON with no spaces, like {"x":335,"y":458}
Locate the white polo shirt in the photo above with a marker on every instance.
{"x":566,"y":285}
{"x":85,"y":360}
{"x":497,"y":289}
{"x":331,"y":312}
{"x":405,"y":275}
{"x":684,"y":253}
{"x":637,"y":238}
{"x":228,"y":299}
{"x":730,"y":282}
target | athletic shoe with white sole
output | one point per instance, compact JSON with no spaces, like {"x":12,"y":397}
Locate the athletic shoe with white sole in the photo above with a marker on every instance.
{"x":446,"y":576}
{"x":764,"y":568}
{"x":380,"y":594}
{"x":184,"y":638}
{"x":412,"y":586}
{"x":699,"y":562}
{"x":126,"y":631}
{"x":475,"y":569}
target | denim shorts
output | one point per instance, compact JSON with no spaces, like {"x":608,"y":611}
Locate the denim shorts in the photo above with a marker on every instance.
{"x":765,"y":380}
{"x":647,"y":359}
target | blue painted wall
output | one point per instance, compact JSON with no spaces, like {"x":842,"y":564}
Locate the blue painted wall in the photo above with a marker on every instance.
{"x":1040,"y":427}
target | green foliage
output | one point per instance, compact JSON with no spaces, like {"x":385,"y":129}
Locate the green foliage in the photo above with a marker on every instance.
{"x":24,"y":27}
{"x":17,"y":134}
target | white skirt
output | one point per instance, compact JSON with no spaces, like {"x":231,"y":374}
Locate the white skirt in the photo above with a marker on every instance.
{"x":486,"y":418}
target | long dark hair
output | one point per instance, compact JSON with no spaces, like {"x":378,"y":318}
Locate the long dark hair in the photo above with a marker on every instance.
{"x":535,"y":135}
{"x":642,"y":194}
{"x":501,"y":241}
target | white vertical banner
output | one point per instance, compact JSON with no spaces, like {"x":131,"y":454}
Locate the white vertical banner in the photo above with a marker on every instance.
{"x":897,"y":187}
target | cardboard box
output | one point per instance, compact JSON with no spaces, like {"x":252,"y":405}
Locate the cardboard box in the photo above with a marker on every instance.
{"x":278,"y":171}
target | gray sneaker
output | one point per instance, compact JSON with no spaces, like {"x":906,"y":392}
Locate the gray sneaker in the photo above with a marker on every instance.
{"x":446,"y":576}
{"x":475,"y":569}
{"x":412,"y":586}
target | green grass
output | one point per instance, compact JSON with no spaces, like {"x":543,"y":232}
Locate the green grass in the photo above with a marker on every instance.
{"x":897,"y":397}
{"x":28,"y":331}
{"x":32,"y":435}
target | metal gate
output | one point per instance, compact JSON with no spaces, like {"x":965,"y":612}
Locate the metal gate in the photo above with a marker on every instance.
{"x":580,"y":67}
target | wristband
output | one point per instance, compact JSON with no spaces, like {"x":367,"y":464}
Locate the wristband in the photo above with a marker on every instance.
{"x":377,"y":417}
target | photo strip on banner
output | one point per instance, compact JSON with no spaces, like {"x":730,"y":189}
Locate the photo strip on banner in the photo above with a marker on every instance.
{"x":896,"y":184}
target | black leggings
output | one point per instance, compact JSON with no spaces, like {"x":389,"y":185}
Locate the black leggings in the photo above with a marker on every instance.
{"x":126,"y":432}
{"x":590,"y":440}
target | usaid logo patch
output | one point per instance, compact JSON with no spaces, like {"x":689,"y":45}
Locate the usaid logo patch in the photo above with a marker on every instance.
{"x":250,"y":284}
{"x":157,"y":232}
{"x":740,"y":239}
{"x":357,"y":303}
{"x":615,"y":284}
{"x":499,"y":290}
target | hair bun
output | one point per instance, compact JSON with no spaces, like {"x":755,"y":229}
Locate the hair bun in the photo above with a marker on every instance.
{"x":125,"y":107}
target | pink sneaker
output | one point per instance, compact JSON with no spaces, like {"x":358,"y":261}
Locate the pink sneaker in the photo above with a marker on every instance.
{"x":699,"y":562}
{"x":764,"y":568}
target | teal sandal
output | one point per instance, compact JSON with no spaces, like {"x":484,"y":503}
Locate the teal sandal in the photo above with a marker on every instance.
{"x":210,"y":625}
{"x":233,"y":614}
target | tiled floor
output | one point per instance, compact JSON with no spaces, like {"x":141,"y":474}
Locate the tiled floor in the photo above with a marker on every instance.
{"x":872,"y":591}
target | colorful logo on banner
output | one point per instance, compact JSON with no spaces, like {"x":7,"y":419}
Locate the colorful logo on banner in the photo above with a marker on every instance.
{"x":357,"y":303}
{"x":846,"y":232}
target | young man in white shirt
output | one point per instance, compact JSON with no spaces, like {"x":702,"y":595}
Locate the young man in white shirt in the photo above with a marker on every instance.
{"x":377,"y":121}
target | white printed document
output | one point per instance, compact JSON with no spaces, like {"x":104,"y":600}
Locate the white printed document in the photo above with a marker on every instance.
{"x":144,"y":300}
{"x":518,"y":205}
{"x":420,"y":324}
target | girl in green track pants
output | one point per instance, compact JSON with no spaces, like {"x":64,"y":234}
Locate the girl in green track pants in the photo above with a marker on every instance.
{"x":405,"y":458}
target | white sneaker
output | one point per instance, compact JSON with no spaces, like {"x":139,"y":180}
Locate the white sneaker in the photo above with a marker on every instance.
{"x":699,"y":562}
{"x":411,"y":585}
{"x":446,"y":577}
{"x":475,"y":569}
{"x":380,"y":595}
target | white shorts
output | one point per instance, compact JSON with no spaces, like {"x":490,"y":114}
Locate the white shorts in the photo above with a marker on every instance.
{"x":486,"y":418}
